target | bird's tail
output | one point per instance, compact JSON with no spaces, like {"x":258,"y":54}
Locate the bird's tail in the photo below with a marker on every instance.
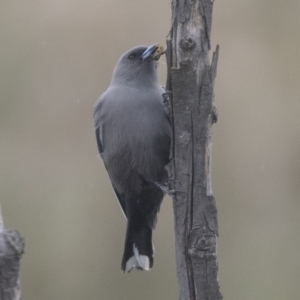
{"x":138,"y":250}
{"x":141,"y":212}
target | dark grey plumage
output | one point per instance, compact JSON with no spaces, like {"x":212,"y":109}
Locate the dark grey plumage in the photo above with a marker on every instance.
{"x":133,"y":136}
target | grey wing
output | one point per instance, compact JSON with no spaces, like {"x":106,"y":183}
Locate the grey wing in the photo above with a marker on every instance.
{"x":121,"y":197}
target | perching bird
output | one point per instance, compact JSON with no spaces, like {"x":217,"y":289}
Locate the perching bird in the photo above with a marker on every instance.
{"x":133,"y":135}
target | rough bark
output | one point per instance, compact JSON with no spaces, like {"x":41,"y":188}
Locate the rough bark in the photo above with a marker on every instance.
{"x":11,"y":250}
{"x":191,"y":82}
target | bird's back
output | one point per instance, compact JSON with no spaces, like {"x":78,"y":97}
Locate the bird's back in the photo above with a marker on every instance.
{"x":135,"y":132}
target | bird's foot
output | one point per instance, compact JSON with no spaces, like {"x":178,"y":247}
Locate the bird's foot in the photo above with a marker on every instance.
{"x":165,"y":188}
{"x":166,"y":102}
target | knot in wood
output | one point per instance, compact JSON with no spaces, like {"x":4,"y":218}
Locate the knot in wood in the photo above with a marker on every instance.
{"x":204,"y":247}
{"x":15,"y":242}
{"x":202,"y":242}
{"x":205,"y":243}
{"x":184,"y":138}
{"x":187,"y":43}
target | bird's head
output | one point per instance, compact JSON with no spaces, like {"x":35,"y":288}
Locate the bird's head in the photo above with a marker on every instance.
{"x":138,"y":64}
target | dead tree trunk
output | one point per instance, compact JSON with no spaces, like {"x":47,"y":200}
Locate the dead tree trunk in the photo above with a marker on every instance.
{"x":191,"y":82}
{"x":11,"y":250}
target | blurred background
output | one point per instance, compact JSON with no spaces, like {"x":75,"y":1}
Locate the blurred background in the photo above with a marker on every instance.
{"x":57,"y":57}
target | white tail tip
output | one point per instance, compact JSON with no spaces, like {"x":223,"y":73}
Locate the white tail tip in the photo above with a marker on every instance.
{"x":137,"y":261}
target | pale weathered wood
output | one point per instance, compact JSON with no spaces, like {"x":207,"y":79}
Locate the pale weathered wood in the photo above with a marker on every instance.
{"x":11,"y":250}
{"x":191,"y":82}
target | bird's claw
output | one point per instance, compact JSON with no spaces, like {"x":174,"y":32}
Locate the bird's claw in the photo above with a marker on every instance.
{"x":165,"y":189}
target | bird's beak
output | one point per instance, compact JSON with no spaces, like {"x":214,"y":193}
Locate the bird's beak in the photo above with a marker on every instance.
{"x":149,"y":51}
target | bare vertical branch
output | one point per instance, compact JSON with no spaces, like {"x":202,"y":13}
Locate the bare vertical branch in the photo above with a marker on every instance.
{"x":191,"y":82}
{"x":11,"y":250}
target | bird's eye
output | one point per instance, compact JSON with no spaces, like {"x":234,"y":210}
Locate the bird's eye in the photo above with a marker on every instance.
{"x":131,"y":56}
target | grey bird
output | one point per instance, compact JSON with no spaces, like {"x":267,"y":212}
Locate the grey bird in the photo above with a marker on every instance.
{"x":133,"y":136}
